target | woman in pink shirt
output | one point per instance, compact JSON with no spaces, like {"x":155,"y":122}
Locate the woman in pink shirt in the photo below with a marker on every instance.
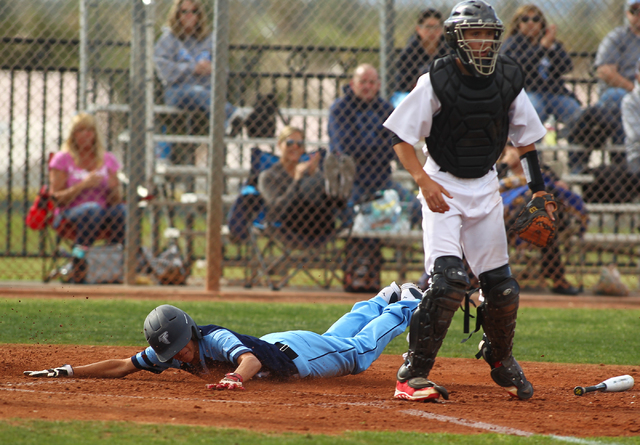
{"x":83,"y":180}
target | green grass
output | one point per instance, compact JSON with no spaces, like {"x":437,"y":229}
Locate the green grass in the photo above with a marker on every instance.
{"x":543,"y":335}
{"x":122,"y":433}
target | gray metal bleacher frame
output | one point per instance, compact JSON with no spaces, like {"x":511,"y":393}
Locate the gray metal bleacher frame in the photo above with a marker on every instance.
{"x":406,"y":247}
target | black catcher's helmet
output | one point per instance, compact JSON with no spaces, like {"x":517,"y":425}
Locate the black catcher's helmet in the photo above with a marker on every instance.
{"x":168,"y":330}
{"x":474,"y":14}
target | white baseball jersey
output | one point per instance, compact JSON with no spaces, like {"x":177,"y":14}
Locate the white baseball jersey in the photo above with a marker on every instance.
{"x":474,"y":224}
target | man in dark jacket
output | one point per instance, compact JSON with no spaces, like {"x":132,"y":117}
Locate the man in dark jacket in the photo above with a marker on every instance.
{"x":355,"y":129}
{"x":423,"y":47}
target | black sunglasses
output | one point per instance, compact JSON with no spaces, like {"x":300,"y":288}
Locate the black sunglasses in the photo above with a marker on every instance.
{"x":291,"y":142}
{"x":634,"y":11}
{"x":187,"y":11}
{"x":534,"y":19}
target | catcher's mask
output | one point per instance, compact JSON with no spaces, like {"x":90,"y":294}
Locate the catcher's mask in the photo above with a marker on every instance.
{"x":474,"y":14}
{"x":168,"y":330}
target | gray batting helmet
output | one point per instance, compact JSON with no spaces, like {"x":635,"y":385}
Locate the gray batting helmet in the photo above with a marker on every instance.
{"x":168,"y":330}
{"x":474,"y":14}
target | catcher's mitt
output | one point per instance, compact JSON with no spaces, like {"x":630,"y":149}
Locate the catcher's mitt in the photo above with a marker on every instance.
{"x":533,"y":223}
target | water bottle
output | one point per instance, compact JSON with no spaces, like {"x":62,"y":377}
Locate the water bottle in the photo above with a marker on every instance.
{"x":79,"y":251}
{"x":386,"y":210}
{"x":163,"y":149}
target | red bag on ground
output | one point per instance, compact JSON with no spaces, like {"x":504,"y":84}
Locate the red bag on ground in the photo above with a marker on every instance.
{"x":38,"y":215}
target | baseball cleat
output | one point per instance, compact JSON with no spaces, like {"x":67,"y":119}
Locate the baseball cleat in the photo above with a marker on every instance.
{"x":419,"y":389}
{"x":391,"y":293}
{"x":507,"y":373}
{"x":347,"y":176}
{"x":332,"y":176}
{"x":411,"y":292}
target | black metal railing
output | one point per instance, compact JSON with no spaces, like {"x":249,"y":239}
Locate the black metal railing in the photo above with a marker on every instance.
{"x":41,"y":97}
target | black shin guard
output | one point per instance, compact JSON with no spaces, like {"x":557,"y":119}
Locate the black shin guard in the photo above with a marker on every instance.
{"x":430,"y":322}
{"x":502,"y":296}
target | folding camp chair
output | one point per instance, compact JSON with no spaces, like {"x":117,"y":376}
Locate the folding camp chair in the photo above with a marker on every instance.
{"x":279,"y":253}
{"x":58,"y":242}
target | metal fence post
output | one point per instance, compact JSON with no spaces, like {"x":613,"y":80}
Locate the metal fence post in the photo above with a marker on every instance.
{"x":387,"y":29}
{"x":220,"y":62}
{"x":150,"y":17}
{"x":83,"y":62}
{"x":137,"y":119}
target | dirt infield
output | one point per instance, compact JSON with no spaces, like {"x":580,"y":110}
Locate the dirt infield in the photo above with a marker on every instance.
{"x":331,"y":406}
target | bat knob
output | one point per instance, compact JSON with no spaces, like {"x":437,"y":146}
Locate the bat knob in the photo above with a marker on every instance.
{"x":579,"y":391}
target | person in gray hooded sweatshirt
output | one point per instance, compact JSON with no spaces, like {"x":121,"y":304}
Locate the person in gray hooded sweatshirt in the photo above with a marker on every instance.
{"x":631,"y":123}
{"x":182,"y":56}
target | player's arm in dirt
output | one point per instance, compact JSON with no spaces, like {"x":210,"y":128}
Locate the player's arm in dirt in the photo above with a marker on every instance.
{"x":431,"y":190}
{"x":248,"y":366}
{"x":106,"y":369}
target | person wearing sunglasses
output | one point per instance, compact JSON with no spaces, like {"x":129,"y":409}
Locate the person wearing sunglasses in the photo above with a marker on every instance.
{"x":573,"y":220}
{"x":532,"y":42}
{"x":424,"y":46}
{"x":298,"y":193}
{"x":182,"y":56}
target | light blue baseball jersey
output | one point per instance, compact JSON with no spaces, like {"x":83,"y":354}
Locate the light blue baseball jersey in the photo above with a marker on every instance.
{"x":349,"y":346}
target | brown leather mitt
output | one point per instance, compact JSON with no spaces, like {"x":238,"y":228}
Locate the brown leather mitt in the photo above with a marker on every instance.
{"x":533,"y":223}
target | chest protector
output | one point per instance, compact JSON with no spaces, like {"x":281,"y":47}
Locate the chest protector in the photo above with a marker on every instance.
{"x":471,"y":129}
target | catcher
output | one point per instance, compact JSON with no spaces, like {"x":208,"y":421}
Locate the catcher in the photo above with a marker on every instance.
{"x":466,"y":107}
{"x":349,"y":346}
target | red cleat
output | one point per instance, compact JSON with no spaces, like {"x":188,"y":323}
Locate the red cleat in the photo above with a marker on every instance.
{"x":419,"y":390}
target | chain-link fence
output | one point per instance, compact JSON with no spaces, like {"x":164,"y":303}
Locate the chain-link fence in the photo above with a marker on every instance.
{"x":285,"y":169}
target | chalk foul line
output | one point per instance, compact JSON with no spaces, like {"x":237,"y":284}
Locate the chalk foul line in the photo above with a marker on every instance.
{"x":498,"y":429}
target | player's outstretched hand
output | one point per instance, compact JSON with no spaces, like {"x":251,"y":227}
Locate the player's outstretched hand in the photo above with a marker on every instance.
{"x":62,"y":371}
{"x":230,"y":381}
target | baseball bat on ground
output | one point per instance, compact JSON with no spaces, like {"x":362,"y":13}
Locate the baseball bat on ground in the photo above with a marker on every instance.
{"x":614,"y":384}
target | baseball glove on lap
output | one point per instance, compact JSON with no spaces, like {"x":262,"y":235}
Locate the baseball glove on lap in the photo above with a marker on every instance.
{"x":533,"y":223}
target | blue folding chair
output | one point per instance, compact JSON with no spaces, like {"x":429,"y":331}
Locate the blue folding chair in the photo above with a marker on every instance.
{"x":279,"y":253}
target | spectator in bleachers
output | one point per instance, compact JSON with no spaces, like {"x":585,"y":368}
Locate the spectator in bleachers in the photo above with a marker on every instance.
{"x":531,"y":41}
{"x":84,"y":183}
{"x":355,"y":129}
{"x":425,"y":45}
{"x":299,"y":194}
{"x":615,"y":68}
{"x":572,"y":219}
{"x":182,"y":56}
{"x":631,"y":124}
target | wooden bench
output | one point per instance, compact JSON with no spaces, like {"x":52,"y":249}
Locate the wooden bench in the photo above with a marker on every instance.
{"x":407,"y":247}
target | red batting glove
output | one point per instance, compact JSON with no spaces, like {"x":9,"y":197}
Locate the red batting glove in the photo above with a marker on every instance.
{"x":230,"y":381}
